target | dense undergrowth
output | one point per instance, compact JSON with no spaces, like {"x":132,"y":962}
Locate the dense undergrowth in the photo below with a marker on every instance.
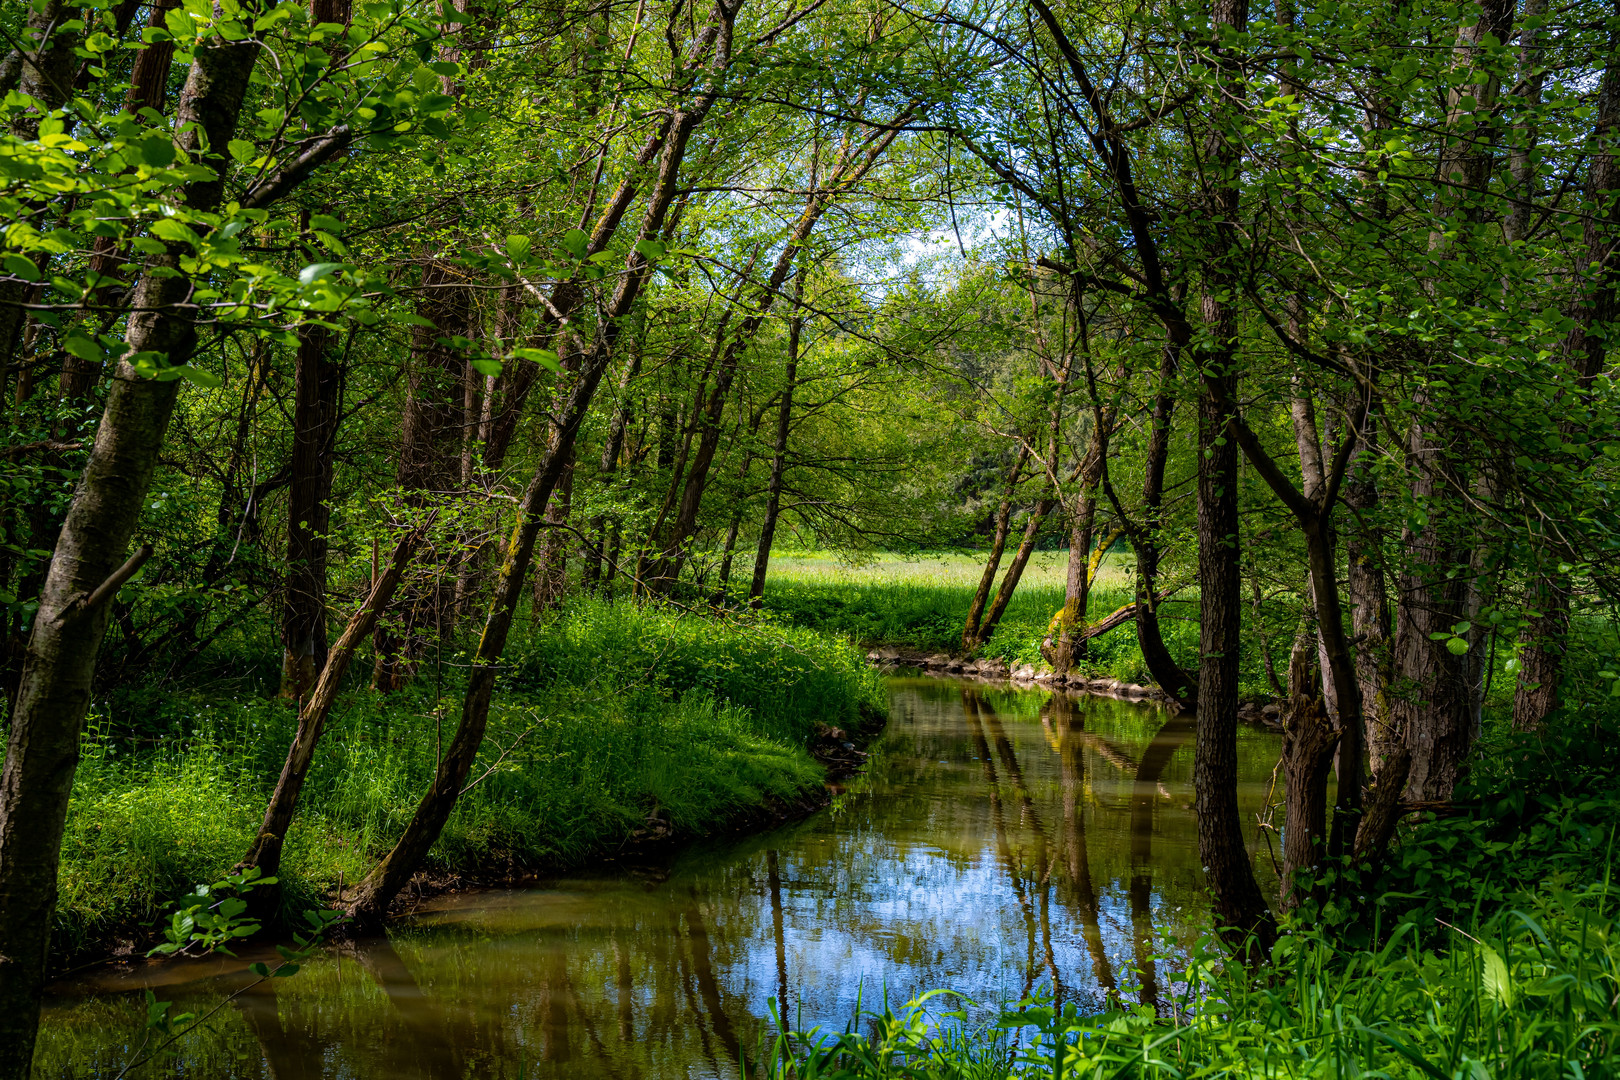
{"x":1486,"y":947}
{"x":609,"y":713}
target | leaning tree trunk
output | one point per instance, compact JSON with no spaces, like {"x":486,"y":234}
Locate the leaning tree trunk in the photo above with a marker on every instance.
{"x":422,"y":831}
{"x":54,"y":693}
{"x":784,"y":424}
{"x":1163,"y":668}
{"x":971,"y":638}
{"x":316,"y":705}
{"x":1015,"y":569}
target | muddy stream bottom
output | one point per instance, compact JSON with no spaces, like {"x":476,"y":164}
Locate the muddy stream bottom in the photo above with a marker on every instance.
{"x":1000,"y":841}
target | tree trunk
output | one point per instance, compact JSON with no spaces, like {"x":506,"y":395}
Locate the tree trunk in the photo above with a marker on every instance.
{"x":551,"y":579}
{"x":971,"y":638}
{"x":429,"y":462}
{"x":853,"y":167}
{"x":54,"y":693}
{"x":1067,"y":646}
{"x":265,"y":851}
{"x":389,"y":876}
{"x":1545,"y":637}
{"x":1015,"y":569}
{"x":784,"y":423}
{"x":1240,"y":909}
{"x":1433,"y":712}
{"x":314,"y":423}
{"x":1166,"y":672}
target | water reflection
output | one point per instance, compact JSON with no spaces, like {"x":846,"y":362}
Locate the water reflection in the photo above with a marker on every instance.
{"x":1001,"y":841}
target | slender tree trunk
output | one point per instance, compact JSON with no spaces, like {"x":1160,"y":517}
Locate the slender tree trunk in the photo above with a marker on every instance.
{"x":971,"y":637}
{"x":784,"y":424}
{"x":316,"y":705}
{"x":853,"y":167}
{"x":389,"y":876}
{"x":429,"y":462}
{"x":551,"y":578}
{"x":1170,"y":676}
{"x":54,"y":693}
{"x":1015,"y":569}
{"x":314,"y":421}
{"x":1545,"y":637}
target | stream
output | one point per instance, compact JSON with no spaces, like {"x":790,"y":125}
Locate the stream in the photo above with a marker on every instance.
{"x":1000,"y":841}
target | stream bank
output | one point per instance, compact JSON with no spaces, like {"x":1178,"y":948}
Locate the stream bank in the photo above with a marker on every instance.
{"x":998,"y":840}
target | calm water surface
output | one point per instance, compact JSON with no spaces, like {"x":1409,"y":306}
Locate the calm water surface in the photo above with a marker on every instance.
{"x":1000,"y":841}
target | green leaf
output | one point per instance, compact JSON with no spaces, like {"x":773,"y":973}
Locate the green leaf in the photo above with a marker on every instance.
{"x":518,"y":247}
{"x":544,"y":357}
{"x":198,"y":377}
{"x":314,"y":272}
{"x":17,"y":266}
{"x":651,"y":249}
{"x":157,"y":151}
{"x":1457,"y":646}
{"x":485,"y":365}
{"x":242,"y":150}
{"x":173,"y":231}
{"x":575,"y":242}
{"x":1497,"y":982}
{"x":85,"y":348}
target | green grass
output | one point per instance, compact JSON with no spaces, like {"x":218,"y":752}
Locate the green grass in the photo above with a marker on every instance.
{"x":921,"y":603}
{"x":608,"y":713}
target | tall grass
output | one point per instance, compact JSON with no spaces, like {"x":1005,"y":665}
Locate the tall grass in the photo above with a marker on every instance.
{"x":607,"y":714}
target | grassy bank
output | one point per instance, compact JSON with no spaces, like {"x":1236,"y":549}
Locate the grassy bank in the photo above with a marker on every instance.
{"x":608,"y":714}
{"x":1485,"y":948}
{"x":920,"y":603}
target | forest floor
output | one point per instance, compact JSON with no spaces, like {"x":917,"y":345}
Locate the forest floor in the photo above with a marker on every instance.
{"x":616,"y":726}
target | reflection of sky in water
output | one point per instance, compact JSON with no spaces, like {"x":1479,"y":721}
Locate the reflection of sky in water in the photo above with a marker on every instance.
{"x":1000,"y":841}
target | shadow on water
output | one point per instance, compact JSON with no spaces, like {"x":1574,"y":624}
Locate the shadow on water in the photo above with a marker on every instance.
{"x":1001,"y":841}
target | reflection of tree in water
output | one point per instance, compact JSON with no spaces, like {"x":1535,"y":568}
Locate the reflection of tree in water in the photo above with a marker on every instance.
{"x":289,"y":1054}
{"x":1177,"y":730}
{"x":1062,"y":719}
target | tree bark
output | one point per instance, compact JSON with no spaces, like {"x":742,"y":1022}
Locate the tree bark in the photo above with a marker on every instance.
{"x":315,"y":418}
{"x":784,"y":423}
{"x":1240,"y":909}
{"x":429,"y":456}
{"x":1170,"y":676}
{"x":54,"y":693}
{"x":1433,"y":712}
{"x":1545,"y":637}
{"x":390,"y":875}
{"x":265,"y":851}
{"x":971,"y":638}
{"x":1015,"y":569}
